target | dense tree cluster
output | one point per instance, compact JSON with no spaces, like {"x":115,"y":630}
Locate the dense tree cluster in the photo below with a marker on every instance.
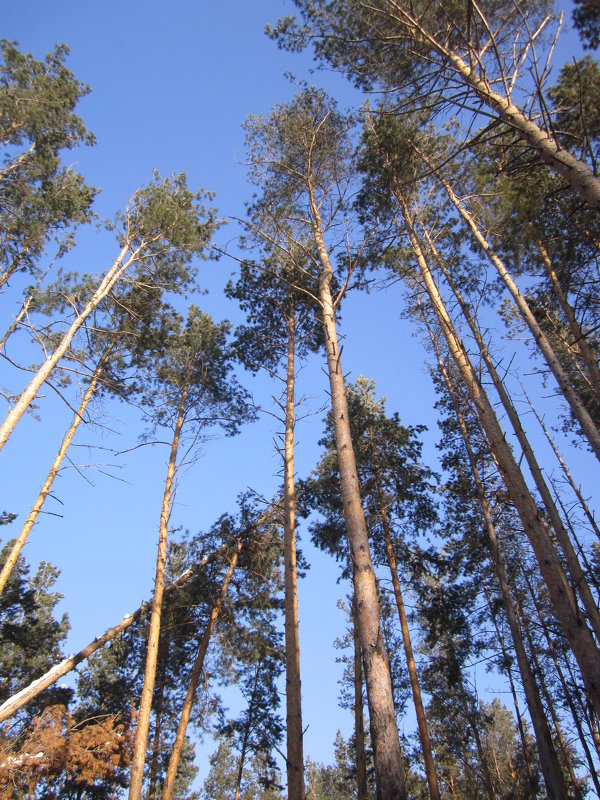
{"x":471,"y":179}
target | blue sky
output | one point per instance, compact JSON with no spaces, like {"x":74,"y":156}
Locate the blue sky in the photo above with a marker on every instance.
{"x":171,"y":86}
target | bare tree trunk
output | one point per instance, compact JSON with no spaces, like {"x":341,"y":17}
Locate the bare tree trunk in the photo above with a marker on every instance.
{"x":56,"y":464}
{"x":578,"y":634}
{"x":45,"y":370}
{"x":359,"y":720}
{"x":577,"y":491}
{"x":565,"y":688}
{"x":578,"y":577}
{"x":430,"y":773}
{"x":575,"y":402}
{"x":295,"y":756}
{"x":240,"y":774}
{"x":578,"y":175}
{"x":553,"y":778}
{"x":507,"y":658}
{"x":195,"y":677}
{"x":550,"y":706}
{"x":389,"y":770}
{"x":19,"y":700}
{"x":579,"y":337}
{"x":141,"y":736}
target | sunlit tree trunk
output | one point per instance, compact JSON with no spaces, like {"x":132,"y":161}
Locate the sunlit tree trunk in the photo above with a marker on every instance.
{"x":295,"y":757}
{"x":141,"y":736}
{"x":56,"y":465}
{"x":578,"y":634}
{"x":432,"y":781}
{"x":578,"y":577}
{"x":571,"y":395}
{"x":550,"y":767}
{"x":186,"y":711}
{"x":389,"y":770}
{"x":43,"y":373}
{"x":19,"y":700}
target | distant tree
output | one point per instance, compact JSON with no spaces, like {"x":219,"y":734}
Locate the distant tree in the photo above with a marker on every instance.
{"x":586,"y":17}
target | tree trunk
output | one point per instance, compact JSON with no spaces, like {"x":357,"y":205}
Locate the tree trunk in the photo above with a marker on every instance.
{"x":195,"y":677}
{"x":45,"y":370}
{"x":47,"y":485}
{"x":240,"y":775}
{"x":548,"y":760}
{"x":295,"y":756}
{"x":359,"y":720}
{"x":141,"y":736}
{"x":19,"y":700}
{"x":578,"y":634}
{"x":578,"y":577}
{"x":386,"y":742}
{"x":551,"y":708}
{"x":576,"y":405}
{"x":578,"y":175}
{"x":432,"y":781}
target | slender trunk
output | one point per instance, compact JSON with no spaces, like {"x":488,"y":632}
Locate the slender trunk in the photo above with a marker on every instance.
{"x":45,"y":370}
{"x":248,"y":728}
{"x":577,"y":491}
{"x":578,"y":634}
{"x":158,"y":710}
{"x":19,"y":700}
{"x":507,"y":659}
{"x":566,"y":691}
{"x":195,"y":677}
{"x":471,"y":719}
{"x":295,"y":756}
{"x":575,"y":402}
{"x":432,"y":781}
{"x":551,"y":708}
{"x":465,"y":752}
{"x":141,"y":736}
{"x":389,"y":770}
{"x":56,"y":464}
{"x":577,"y":575}
{"x":359,"y":720}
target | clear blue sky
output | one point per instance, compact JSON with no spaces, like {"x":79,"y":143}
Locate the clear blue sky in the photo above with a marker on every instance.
{"x":172,"y":84}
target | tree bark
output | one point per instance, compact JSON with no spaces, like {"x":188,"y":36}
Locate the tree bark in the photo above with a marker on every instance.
{"x":195,"y":677}
{"x":295,"y":756}
{"x":45,"y":370}
{"x":141,"y":736}
{"x":430,"y":773}
{"x":19,"y":700}
{"x":578,"y":634}
{"x":359,"y":719}
{"x":579,"y":580}
{"x":56,"y":464}
{"x":389,"y":771}
{"x":569,"y":392}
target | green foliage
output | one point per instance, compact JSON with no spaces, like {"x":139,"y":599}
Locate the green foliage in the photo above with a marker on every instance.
{"x":30,"y":636}
{"x":38,"y":198}
{"x":390,"y":473}
{"x":586,"y":18}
